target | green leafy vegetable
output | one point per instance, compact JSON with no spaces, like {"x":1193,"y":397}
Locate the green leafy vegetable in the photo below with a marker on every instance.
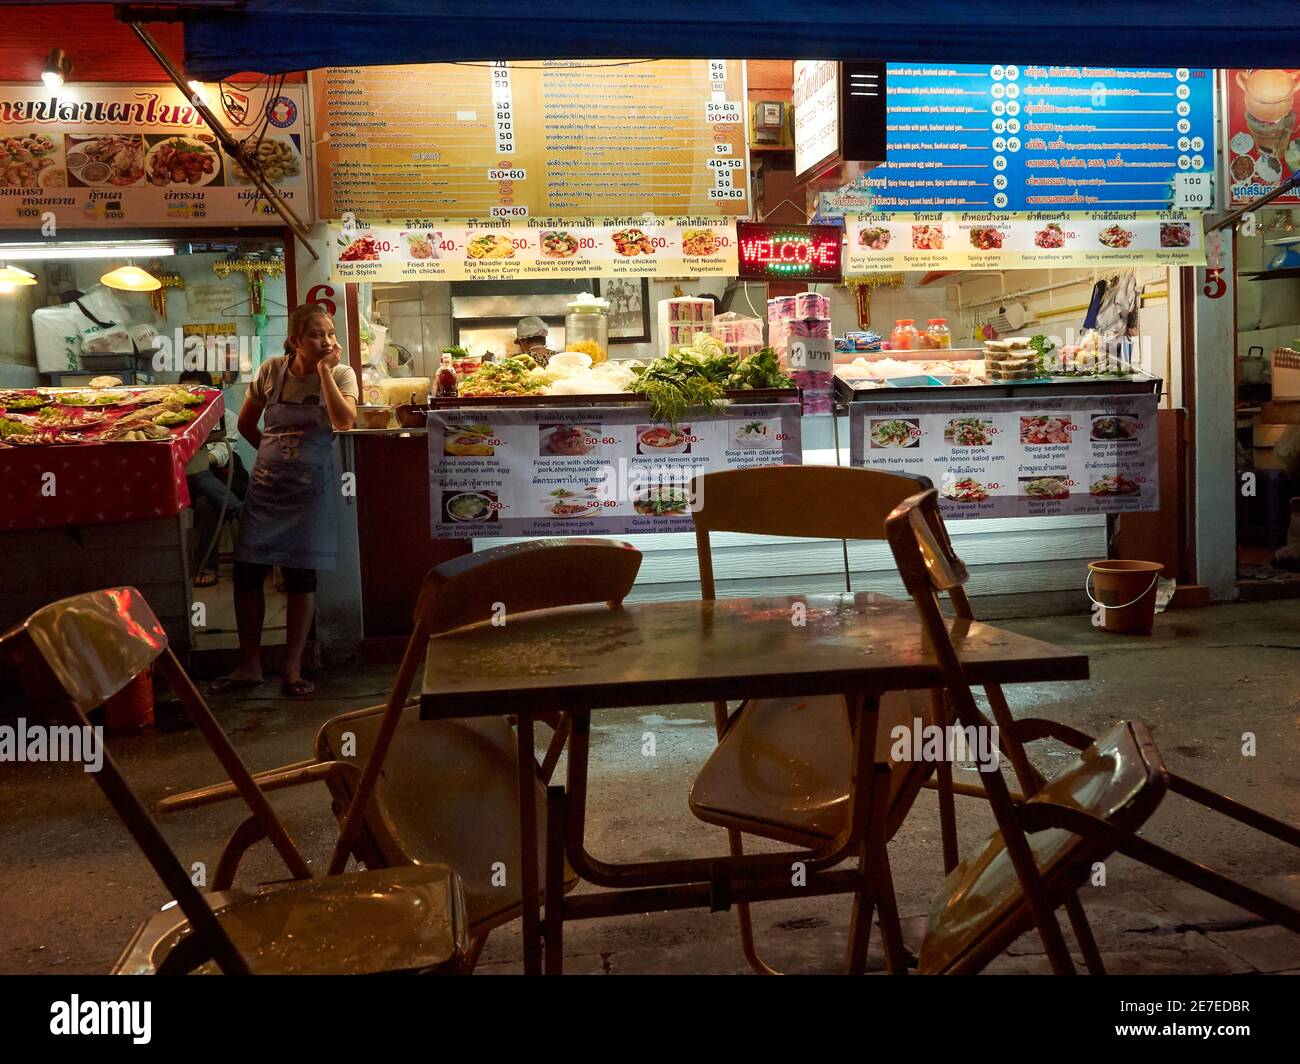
{"x":684,"y":379}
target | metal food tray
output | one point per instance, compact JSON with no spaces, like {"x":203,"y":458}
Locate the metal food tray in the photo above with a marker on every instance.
{"x":1137,"y":384}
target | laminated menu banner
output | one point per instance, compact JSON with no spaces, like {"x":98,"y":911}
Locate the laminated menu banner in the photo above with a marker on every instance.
{"x":1017,"y":457}
{"x":890,"y":243}
{"x":497,"y":472}
{"x":437,"y":249}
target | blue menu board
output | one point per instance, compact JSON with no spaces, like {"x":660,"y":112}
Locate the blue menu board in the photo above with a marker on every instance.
{"x":1035,"y":138}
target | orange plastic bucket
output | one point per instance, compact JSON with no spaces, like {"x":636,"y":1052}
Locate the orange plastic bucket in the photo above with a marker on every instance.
{"x":131,"y":707}
{"x":1125,"y":595}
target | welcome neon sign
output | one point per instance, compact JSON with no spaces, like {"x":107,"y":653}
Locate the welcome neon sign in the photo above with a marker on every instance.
{"x":789,"y":252}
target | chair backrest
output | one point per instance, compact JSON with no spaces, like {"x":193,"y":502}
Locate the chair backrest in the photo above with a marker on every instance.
{"x":520,"y":577}
{"x":70,"y":657}
{"x":77,"y":653}
{"x":498,"y":582}
{"x":811,"y":502}
{"x":929,"y":566}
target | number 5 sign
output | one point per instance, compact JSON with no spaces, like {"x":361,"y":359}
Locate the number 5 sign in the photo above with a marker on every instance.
{"x":1215,"y":286}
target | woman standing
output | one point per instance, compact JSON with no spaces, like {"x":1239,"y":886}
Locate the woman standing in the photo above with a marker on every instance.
{"x":290,"y":514}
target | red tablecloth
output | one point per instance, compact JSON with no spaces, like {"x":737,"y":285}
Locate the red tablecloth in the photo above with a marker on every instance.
{"x":102,"y":483}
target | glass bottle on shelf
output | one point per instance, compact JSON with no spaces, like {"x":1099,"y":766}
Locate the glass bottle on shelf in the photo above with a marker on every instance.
{"x":445,"y":385}
{"x":938,"y":335}
{"x":587,"y":324}
{"x":904,"y":337}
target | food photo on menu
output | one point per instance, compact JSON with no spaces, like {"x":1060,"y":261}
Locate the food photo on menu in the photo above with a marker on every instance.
{"x":964,"y":489}
{"x":894,"y":432}
{"x":569,"y":441}
{"x":1118,"y":484}
{"x":566,"y":504}
{"x":757,"y":435}
{"x":1045,"y":487}
{"x":660,"y":439}
{"x":1107,"y":427}
{"x":969,"y":432}
{"x":466,"y":441}
{"x":1045,"y":429}
{"x":469,"y":507}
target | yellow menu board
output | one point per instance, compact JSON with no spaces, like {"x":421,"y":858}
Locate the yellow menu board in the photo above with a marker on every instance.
{"x":558,"y":138}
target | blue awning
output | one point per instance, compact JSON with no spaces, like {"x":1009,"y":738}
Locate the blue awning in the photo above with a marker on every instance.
{"x":278,"y":36}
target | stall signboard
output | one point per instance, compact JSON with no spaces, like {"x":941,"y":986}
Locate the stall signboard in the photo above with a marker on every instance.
{"x":558,"y":138}
{"x":888,"y":243}
{"x":774,"y":252}
{"x":1036,"y":138}
{"x":1263,"y":133}
{"x":440,"y":249}
{"x":1017,"y":457}
{"x":95,"y":156}
{"x":531,"y":471}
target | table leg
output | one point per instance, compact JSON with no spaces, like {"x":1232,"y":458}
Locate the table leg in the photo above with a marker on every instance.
{"x":555,"y":815}
{"x":864,"y":715}
{"x":528,"y":847}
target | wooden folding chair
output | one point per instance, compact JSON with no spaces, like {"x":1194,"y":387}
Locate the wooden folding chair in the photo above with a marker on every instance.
{"x":416,"y":792}
{"x":1045,"y":846}
{"x":782,"y":767}
{"x":69,"y":658}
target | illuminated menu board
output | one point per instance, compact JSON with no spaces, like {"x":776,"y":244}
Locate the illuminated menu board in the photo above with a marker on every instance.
{"x":558,"y":138}
{"x":1036,"y":138}
{"x":811,"y":253}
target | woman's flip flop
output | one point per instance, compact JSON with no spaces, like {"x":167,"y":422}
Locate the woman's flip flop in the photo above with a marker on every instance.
{"x":297,"y":688}
{"x":226,"y":684}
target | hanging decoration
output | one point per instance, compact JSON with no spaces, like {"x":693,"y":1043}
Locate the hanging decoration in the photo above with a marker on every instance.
{"x":862,"y":287}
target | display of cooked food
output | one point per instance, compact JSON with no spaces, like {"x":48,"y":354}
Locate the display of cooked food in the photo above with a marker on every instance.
{"x":1175,"y":234}
{"x":895,"y":432}
{"x":1114,"y":427}
{"x":1050,"y":236}
{"x":41,"y":438}
{"x":92,"y":398}
{"x":512,"y":376}
{"x":1044,"y":488}
{"x":24,"y":158}
{"x":23,"y":400}
{"x":1115,"y":236}
{"x":170,"y":417}
{"x":927,"y":237}
{"x":181,"y":161}
{"x":967,"y":489}
{"x":632,"y":242}
{"x":1114,"y":485}
{"x":1045,"y":428}
{"x":363,"y":249}
{"x":144,"y":433}
{"x":67,"y":418}
{"x":874,"y":237}
{"x":985,"y":238}
{"x":278,"y":159}
{"x":490,"y":246}
{"x":108,"y":160}
{"x":558,"y":244}
{"x":969,"y":432}
{"x":13,"y":427}
{"x":701,"y":242}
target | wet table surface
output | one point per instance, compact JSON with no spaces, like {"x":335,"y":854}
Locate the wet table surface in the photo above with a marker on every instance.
{"x":665,"y":653}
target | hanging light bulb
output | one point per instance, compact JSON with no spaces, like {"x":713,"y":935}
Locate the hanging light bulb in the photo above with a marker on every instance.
{"x":57,"y":68}
{"x":11,"y":277}
{"x":130,"y":278}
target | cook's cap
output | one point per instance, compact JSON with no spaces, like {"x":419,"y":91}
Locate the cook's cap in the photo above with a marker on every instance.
{"x":529,"y":327}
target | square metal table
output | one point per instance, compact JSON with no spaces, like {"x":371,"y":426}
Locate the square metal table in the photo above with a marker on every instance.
{"x":581,"y":659}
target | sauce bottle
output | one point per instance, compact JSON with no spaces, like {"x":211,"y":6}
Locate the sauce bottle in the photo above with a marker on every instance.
{"x":445,"y":385}
{"x":938,"y":335}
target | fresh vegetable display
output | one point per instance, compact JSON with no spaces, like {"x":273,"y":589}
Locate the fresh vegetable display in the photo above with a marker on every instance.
{"x":701,"y":375}
{"x":512,"y":376}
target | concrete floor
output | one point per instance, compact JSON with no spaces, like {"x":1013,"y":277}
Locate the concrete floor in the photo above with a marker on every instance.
{"x":74,"y":886}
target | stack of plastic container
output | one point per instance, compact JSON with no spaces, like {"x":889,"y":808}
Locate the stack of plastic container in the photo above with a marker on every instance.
{"x":680,"y":319}
{"x":803,"y":316}
{"x":738,"y":335}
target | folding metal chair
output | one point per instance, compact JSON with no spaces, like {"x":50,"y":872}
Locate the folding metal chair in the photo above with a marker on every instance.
{"x":417,"y":792}
{"x":1046,"y":844}
{"x":782,"y":767}
{"x":72,"y":656}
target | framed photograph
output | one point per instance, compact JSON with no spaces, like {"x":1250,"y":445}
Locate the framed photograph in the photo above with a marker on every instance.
{"x":629,"y":308}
